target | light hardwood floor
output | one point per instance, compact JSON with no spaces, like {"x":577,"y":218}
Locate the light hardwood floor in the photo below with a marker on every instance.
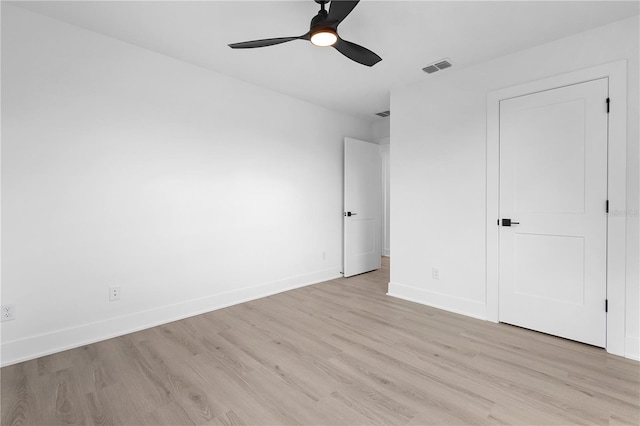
{"x":339,"y":352}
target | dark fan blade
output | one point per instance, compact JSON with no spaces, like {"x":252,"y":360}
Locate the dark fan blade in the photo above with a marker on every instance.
{"x":357,"y":53}
{"x":265,"y":42}
{"x":339,"y":9}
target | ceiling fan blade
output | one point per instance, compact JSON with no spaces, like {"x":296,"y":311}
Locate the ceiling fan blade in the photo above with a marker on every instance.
{"x":339,"y":9}
{"x":357,"y":53}
{"x":264,"y":43}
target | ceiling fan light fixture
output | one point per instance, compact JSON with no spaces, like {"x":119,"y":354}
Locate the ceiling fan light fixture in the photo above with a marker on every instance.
{"x":323,"y":32}
{"x":324,"y":37}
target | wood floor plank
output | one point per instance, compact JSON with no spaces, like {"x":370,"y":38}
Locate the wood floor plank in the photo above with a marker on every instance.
{"x":100,"y":409}
{"x":187,"y":388}
{"x":414,"y":386}
{"x":20,"y":402}
{"x":291,"y":365}
{"x":374,"y":407}
{"x":120,"y":404}
{"x":69,"y":405}
{"x":340,"y":352}
{"x":227,"y":419}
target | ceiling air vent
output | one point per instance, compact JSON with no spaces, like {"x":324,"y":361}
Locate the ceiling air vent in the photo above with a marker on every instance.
{"x":383,"y":114}
{"x":430,"y":69}
{"x":437,"y":66}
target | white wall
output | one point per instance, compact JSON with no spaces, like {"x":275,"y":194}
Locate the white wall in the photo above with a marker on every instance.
{"x":381,"y":129}
{"x":122,"y":167}
{"x":385,"y":160}
{"x":438,"y":165}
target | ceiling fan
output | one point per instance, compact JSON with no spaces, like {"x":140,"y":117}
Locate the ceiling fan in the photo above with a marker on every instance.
{"x":323,"y":32}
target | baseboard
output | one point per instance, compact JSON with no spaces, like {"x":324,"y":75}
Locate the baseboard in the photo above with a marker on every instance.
{"x":632,"y":348}
{"x":446,"y":302}
{"x":32,"y":347}
{"x":386,"y":252}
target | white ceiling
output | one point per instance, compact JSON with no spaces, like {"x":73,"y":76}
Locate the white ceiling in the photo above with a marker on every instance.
{"x":408,"y":35}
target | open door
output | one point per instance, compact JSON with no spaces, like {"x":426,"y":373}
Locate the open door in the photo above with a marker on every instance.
{"x":361,"y":207}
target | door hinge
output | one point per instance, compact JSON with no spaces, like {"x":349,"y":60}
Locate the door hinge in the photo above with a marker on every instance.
{"x":606,"y":305}
{"x":608,"y":105}
{"x":607,"y":207}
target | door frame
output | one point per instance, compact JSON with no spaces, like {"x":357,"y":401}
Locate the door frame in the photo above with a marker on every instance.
{"x":616,"y":72}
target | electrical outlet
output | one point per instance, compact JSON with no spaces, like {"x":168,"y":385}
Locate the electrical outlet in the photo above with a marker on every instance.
{"x":114,"y":293}
{"x":435,"y":273}
{"x":8,"y":312}
{"x":324,"y":255}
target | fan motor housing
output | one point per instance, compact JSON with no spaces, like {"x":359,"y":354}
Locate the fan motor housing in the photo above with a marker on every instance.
{"x":318,"y":19}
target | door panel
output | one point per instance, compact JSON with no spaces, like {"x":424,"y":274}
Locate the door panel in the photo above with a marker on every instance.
{"x":362,"y":183}
{"x":563,"y":283}
{"x":361,"y":233}
{"x":553,"y":184}
{"x":550,"y":138}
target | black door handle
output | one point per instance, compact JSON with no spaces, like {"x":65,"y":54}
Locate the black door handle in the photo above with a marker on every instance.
{"x":349,"y":214}
{"x":509,"y":222}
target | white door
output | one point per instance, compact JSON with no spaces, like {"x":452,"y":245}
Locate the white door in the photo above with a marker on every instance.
{"x":553,"y":187}
{"x":361,"y":207}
